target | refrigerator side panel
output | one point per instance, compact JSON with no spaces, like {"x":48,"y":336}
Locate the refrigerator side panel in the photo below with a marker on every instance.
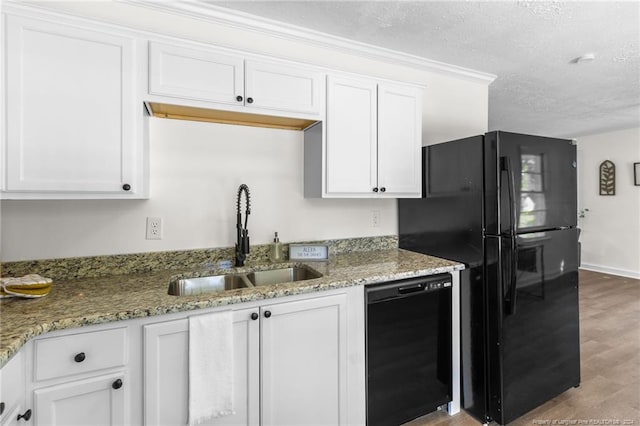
{"x":496,"y":252}
{"x":447,"y":221}
{"x":473,"y":344}
{"x":543,"y":173}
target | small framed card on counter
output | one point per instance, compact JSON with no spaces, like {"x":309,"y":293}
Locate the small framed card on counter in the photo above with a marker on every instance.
{"x":305,"y":252}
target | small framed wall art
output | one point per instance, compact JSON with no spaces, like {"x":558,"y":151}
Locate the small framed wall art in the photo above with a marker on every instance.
{"x":607,"y":178}
{"x":636,"y":174}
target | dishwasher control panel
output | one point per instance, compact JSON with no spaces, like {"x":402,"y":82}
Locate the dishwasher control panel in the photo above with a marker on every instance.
{"x":385,"y":291}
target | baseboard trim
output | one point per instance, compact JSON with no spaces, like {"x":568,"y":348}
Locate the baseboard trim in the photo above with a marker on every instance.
{"x":610,"y":270}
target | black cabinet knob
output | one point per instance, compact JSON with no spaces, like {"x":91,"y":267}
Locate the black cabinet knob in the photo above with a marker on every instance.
{"x":254,"y":316}
{"x":383,"y":189}
{"x":126,"y":187}
{"x":117,"y":384}
{"x":249,"y":100}
{"x":267,"y":314}
{"x":1,"y":408}
{"x":375,"y":189}
{"x":239,"y":98}
{"x":79,"y":357}
{"x":26,"y":416}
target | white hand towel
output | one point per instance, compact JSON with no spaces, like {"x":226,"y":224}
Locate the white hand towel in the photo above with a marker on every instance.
{"x":210,"y":366}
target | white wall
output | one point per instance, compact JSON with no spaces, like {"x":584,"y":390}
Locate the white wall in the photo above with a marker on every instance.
{"x":611,"y":228}
{"x":197,"y":167}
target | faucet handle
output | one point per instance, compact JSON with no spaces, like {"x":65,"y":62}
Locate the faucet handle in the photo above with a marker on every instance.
{"x":245,"y":241}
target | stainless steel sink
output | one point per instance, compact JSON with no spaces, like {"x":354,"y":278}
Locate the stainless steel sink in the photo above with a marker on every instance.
{"x":210,"y":284}
{"x":233,"y":281}
{"x":283,"y":275}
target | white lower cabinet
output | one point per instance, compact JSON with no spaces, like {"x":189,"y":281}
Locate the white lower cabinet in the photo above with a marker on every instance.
{"x":166,"y":372}
{"x":12,"y":392}
{"x":293,"y":365}
{"x":95,"y":401}
{"x":303,"y":365}
{"x":80,"y":377}
{"x":290,"y":365}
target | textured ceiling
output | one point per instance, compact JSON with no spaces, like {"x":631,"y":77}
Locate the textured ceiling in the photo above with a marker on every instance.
{"x":529,"y":45}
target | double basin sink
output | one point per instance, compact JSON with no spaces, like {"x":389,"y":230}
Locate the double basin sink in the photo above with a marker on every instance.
{"x":237,"y":280}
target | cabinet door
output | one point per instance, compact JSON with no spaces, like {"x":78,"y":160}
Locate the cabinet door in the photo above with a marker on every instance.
{"x":166,"y":372}
{"x":12,"y":389}
{"x":304,"y":362}
{"x":10,"y":418}
{"x":96,"y":401}
{"x":70,"y":110}
{"x":399,"y":140}
{"x":197,"y":74}
{"x":283,"y":87}
{"x":351,"y":139}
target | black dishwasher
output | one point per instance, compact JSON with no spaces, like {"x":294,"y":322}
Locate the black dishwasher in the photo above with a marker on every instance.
{"x":408,"y":338}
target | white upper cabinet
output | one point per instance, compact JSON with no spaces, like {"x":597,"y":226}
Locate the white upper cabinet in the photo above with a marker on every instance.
{"x":351,"y":145}
{"x":195,"y":74}
{"x":72,"y":121}
{"x":204,"y":77}
{"x":399,"y":140}
{"x":370,"y":144}
{"x":275,"y":86}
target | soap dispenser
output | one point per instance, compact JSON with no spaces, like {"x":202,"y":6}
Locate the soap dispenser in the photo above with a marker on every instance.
{"x":275,"y":251}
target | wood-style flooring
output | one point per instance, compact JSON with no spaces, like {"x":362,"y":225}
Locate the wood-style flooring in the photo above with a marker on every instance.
{"x":610,"y":362}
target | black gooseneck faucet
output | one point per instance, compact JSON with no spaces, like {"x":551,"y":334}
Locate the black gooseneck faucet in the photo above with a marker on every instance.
{"x":242,"y":244}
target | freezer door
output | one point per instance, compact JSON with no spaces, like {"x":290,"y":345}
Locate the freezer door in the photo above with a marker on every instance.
{"x":530,"y":183}
{"x":533,"y":326}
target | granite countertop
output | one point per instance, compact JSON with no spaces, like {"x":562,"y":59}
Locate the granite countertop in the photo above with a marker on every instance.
{"x":86,"y":301}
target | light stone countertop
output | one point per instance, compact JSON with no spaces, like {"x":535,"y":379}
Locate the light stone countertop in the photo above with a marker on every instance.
{"x":88,"y":301}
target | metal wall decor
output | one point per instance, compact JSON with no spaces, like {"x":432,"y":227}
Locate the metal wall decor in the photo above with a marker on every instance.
{"x":607,"y":178}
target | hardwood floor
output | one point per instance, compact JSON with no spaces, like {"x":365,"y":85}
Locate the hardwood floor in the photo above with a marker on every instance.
{"x":610,"y":362}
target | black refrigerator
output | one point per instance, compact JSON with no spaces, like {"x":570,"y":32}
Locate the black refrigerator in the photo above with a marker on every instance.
{"x":504,"y":204}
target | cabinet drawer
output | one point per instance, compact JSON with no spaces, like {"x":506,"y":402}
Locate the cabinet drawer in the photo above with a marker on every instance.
{"x":80,"y":353}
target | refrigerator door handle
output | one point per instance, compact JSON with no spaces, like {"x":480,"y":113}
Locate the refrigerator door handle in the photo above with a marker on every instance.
{"x":513,"y":217}
{"x":508,"y":272}
{"x":510,"y":307}
{"x":510,"y":302}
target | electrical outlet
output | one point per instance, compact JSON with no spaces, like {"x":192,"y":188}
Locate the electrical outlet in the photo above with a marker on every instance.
{"x":154,"y":228}
{"x":375,"y":218}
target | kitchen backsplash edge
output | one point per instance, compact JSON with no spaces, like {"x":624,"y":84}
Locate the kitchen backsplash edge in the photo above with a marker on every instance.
{"x":137,"y":263}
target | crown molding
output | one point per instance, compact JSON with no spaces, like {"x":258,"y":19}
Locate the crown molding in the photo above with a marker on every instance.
{"x":247,"y":22}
